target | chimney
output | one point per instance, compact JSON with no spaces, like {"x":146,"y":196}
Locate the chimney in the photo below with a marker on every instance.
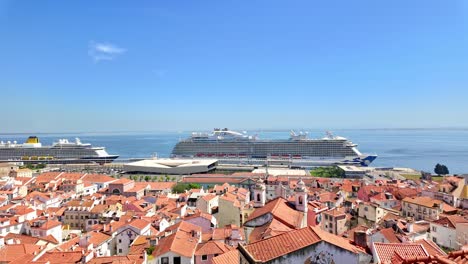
{"x":84,"y":241}
{"x":409,"y":226}
{"x":360,"y":238}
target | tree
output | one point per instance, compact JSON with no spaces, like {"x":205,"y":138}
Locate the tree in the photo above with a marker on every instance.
{"x":147,"y":178}
{"x":182,"y":187}
{"x":441,"y":169}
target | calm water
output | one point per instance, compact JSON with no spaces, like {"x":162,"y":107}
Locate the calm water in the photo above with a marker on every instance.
{"x":419,"y":149}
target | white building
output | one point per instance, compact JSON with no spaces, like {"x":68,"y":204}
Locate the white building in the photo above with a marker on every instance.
{"x":444,"y":231}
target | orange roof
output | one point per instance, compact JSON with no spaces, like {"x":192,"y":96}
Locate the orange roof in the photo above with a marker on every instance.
{"x":122,"y":181}
{"x":97,"y":238}
{"x":389,"y":234}
{"x":386,"y":251}
{"x":139,"y":223}
{"x":451,"y":220}
{"x":280,"y":210}
{"x":273,"y":228}
{"x":57,"y":257}
{"x":335,"y":212}
{"x":44,"y":224}
{"x":227,"y":258}
{"x":117,"y":260}
{"x":431,"y":248}
{"x":184,"y":226}
{"x":423,"y":201}
{"x":211,"y":248}
{"x":225,"y":232}
{"x":199,"y":214}
{"x":12,"y":252}
{"x":179,"y":243}
{"x":280,"y":245}
{"x":47,"y":176}
{"x":208,"y":197}
{"x":161,"y":185}
{"x":97,"y":178}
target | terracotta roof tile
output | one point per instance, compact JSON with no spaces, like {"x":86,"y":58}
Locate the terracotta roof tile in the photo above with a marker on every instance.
{"x":12,"y":252}
{"x":117,"y":260}
{"x":386,"y":251}
{"x":227,"y":258}
{"x":431,"y":248}
{"x":179,"y":243}
{"x":280,"y":210}
{"x":451,"y":220}
{"x":57,"y":257}
{"x":389,"y":234}
{"x":211,"y":248}
{"x":280,"y":245}
{"x":423,"y":201}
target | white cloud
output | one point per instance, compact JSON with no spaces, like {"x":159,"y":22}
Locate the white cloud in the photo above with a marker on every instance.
{"x":104,"y":51}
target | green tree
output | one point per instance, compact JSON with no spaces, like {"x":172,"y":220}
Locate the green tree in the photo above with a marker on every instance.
{"x":147,"y":178}
{"x":441,"y":169}
{"x":182,"y":187}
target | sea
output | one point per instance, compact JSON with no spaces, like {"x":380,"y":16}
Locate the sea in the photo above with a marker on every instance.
{"x":420,"y":149}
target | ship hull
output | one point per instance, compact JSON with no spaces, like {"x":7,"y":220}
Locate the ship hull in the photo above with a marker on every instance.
{"x":300,"y":153}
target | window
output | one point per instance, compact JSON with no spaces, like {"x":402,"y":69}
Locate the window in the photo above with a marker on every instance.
{"x":120,"y":240}
{"x":300,"y":199}
{"x":165,"y":260}
{"x":120,"y":250}
{"x":434,"y":239}
{"x":366,"y":209}
{"x":434,"y":229}
{"x":204,"y":257}
{"x":177,"y":260}
{"x":258,"y":197}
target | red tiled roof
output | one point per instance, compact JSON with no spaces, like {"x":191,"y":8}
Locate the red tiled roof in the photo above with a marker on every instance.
{"x":431,"y":248}
{"x":57,"y":257}
{"x":12,"y":252}
{"x":227,"y":258}
{"x":179,"y":243}
{"x":386,"y":251}
{"x":451,"y":220}
{"x":139,"y":223}
{"x":389,"y":234}
{"x":98,"y":178}
{"x":280,"y":210}
{"x":117,"y":260}
{"x":122,"y":181}
{"x":423,"y":201}
{"x":280,"y":245}
{"x":211,"y":248}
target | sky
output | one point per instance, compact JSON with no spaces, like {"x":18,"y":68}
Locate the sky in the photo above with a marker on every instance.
{"x":91,"y":66}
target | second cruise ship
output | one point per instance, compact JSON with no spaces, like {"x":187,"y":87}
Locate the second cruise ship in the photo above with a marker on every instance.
{"x":231,"y":147}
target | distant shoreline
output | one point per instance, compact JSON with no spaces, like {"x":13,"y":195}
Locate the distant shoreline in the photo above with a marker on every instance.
{"x":250,"y":130}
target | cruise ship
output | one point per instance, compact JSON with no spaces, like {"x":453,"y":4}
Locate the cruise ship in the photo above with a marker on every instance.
{"x":232,"y":147}
{"x":62,"y":151}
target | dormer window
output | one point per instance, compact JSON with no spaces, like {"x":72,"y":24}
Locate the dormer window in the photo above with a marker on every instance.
{"x":300,"y":200}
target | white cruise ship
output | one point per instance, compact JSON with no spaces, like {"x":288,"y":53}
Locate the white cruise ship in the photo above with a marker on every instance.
{"x":62,"y":151}
{"x":231,"y":147}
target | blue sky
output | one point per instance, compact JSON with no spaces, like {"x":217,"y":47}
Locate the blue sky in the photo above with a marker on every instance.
{"x":72,"y":66}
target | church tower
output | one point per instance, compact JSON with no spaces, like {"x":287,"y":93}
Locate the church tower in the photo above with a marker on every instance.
{"x":259,"y":194}
{"x":300,"y":193}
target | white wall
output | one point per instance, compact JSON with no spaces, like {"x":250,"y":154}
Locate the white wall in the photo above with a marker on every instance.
{"x":445,"y":236}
